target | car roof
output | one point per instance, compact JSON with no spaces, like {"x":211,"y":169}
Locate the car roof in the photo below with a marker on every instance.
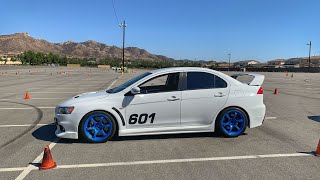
{"x":179,"y":69}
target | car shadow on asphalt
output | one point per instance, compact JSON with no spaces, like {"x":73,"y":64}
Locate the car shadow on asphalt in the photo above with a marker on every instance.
{"x":314,"y":118}
{"x":46,"y":133}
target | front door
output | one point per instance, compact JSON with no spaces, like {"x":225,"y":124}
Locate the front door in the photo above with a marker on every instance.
{"x":157,"y":105}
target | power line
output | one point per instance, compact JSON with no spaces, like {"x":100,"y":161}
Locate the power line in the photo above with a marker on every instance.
{"x":115,"y":12}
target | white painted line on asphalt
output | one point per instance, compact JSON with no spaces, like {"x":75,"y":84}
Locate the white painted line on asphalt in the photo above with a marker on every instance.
{"x":31,"y":167}
{"x":113,"y":83}
{"x":23,"y":125}
{"x":180,"y":160}
{"x":12,"y":169}
{"x":59,"y":88}
{"x":54,"y":92}
{"x":22,"y":108}
{"x":73,"y":85}
{"x":270,"y":118}
{"x":33,"y":99}
{"x":47,"y":98}
{"x":26,"y":170}
{"x":44,"y":92}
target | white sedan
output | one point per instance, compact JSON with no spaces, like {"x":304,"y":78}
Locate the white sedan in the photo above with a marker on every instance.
{"x":165,"y":101}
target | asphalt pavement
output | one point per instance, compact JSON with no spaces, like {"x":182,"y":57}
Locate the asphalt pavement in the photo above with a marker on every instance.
{"x":280,"y":149}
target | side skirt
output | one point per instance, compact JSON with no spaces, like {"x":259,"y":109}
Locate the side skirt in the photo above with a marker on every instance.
{"x":166,"y":130}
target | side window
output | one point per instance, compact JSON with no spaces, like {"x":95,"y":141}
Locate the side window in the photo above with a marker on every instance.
{"x":162,"y":83}
{"x":199,"y":80}
{"x":219,"y":83}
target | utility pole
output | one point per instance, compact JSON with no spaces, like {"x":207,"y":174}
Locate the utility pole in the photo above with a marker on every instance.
{"x":309,"y":55}
{"x":229,"y":61}
{"x":123,"y":25}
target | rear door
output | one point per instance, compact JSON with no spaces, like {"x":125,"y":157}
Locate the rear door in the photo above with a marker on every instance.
{"x":203,"y":96}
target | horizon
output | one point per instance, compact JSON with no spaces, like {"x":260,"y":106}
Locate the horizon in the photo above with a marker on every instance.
{"x":202,"y":30}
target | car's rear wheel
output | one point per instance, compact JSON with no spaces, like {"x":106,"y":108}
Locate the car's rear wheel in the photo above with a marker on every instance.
{"x":97,"y":127}
{"x":232,"y":122}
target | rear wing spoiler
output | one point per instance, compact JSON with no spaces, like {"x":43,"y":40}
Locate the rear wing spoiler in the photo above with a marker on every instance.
{"x":256,"y":81}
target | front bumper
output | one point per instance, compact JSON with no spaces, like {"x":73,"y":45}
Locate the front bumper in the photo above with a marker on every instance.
{"x":66,"y":127}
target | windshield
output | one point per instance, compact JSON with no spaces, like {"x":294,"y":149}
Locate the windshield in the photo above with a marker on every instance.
{"x":128,"y":83}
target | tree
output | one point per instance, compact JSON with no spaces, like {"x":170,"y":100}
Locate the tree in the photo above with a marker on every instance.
{"x":13,"y":59}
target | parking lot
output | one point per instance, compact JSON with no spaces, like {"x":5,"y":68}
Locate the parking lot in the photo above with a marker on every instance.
{"x":280,"y":149}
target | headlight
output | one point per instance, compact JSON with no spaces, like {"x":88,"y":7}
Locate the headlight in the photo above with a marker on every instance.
{"x":65,"y":110}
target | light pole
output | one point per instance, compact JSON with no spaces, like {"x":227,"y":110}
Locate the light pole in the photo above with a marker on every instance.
{"x":309,"y":55}
{"x":229,"y":61}
{"x":123,"y":25}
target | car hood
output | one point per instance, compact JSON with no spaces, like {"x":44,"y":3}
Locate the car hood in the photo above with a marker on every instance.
{"x":88,"y":96}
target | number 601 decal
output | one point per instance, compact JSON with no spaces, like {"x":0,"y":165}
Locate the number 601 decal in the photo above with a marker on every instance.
{"x":143,"y":118}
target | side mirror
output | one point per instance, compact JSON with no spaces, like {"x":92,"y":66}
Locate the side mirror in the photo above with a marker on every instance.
{"x":135,"y":90}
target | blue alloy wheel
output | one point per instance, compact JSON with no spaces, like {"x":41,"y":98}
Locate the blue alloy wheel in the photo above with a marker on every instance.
{"x":98,"y":127}
{"x":233,"y":122}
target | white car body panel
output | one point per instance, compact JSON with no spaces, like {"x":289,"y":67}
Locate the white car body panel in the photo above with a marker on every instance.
{"x":190,"y":111}
{"x":167,"y":116}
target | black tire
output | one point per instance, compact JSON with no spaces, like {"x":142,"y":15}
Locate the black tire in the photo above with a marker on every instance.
{"x":83,"y":135}
{"x":222,"y":126}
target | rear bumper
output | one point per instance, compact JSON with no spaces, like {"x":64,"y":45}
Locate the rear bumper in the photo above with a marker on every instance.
{"x":256,"y":115}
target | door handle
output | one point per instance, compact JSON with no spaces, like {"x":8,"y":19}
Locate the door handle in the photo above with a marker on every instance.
{"x":220,"y":94}
{"x":173,"y":98}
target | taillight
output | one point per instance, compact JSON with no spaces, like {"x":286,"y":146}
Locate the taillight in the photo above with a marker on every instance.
{"x":260,"y":91}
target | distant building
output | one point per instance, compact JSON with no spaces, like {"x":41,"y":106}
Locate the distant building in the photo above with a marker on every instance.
{"x":9,"y":59}
{"x":261,"y":65}
{"x":291,"y":65}
{"x":278,"y":62}
{"x":246,"y":63}
{"x":225,"y":65}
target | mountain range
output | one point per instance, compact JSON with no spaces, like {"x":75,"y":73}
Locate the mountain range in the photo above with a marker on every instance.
{"x":20,"y":42}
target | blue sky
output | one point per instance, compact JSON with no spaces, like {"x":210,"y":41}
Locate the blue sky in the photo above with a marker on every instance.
{"x":193,"y":29}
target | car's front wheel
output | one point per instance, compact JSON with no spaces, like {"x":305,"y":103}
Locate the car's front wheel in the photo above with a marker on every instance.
{"x":232,"y":122}
{"x":97,"y":127}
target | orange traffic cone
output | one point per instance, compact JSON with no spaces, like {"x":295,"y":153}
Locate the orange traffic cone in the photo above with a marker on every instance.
{"x":317,"y":153}
{"x":275,"y":91}
{"x":47,"y":160}
{"x":27,"y":96}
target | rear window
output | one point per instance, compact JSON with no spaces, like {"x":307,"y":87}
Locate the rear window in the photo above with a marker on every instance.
{"x":219,"y":83}
{"x":199,"y":80}
{"x":202,"y":80}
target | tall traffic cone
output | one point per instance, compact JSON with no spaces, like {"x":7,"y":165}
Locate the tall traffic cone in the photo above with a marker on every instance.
{"x":27,"y":96}
{"x":317,"y":153}
{"x":47,"y":160}
{"x":275,"y":91}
